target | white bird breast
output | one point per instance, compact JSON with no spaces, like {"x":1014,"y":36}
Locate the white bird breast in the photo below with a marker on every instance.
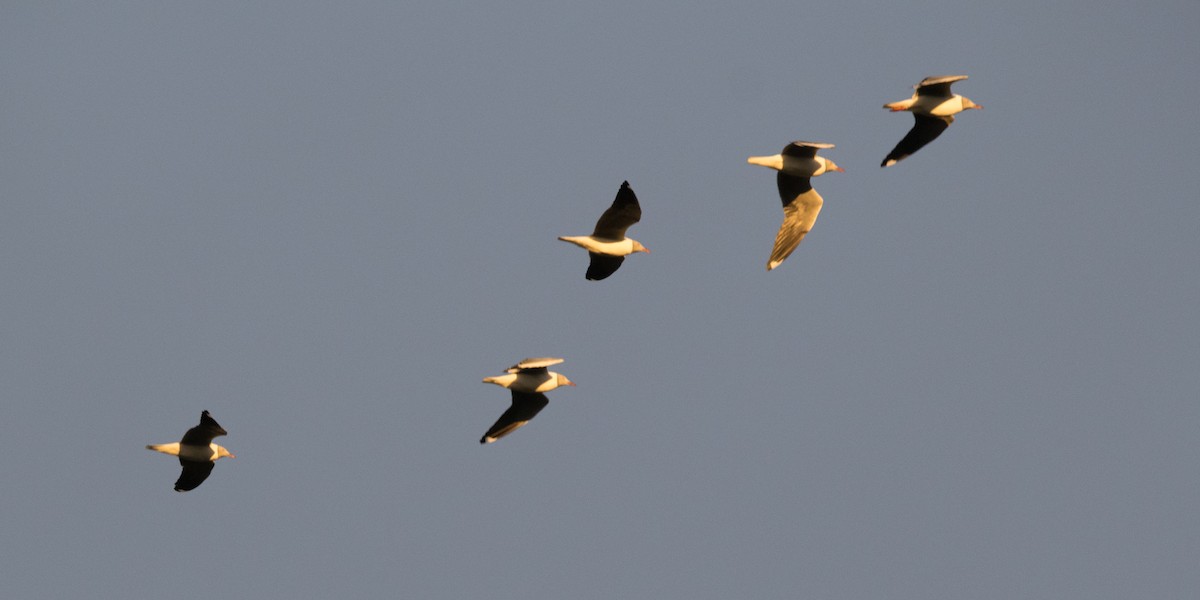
{"x":526,"y":382}
{"x":199,"y":452}
{"x":541,"y":382}
{"x":939,"y":107}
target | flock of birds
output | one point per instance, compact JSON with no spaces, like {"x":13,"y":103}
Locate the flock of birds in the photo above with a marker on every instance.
{"x":933,"y":107}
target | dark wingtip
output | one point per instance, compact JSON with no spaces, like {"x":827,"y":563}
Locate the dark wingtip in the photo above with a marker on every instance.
{"x":625,"y":184}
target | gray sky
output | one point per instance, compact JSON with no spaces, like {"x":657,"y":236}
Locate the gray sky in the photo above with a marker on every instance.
{"x":976,"y":378}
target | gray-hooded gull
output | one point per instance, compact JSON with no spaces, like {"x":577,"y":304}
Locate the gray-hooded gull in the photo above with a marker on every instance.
{"x":197,"y":454}
{"x":527,"y":380}
{"x":933,"y":107}
{"x":801,"y":203}
{"x":607,"y":246}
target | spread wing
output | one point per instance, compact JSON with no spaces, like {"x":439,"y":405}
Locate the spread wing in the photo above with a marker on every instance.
{"x":602,"y":265}
{"x":925,"y":130}
{"x":937,"y":86}
{"x":802,"y":149}
{"x":194,"y":473}
{"x":540,"y":362}
{"x":801,"y":206}
{"x":625,"y":211}
{"x":203,"y":434}
{"x":524,"y":408}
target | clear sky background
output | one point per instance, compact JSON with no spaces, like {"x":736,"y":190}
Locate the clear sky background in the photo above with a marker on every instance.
{"x":976,"y":378}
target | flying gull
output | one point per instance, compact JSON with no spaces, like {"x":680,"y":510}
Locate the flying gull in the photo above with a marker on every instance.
{"x":933,"y":107}
{"x":796,"y":165}
{"x":526,"y":380}
{"x":197,"y":454}
{"x":608,"y":246}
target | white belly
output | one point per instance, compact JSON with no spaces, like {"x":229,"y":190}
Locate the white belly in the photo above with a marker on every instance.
{"x":198,"y":453}
{"x":526,"y":382}
{"x":938,"y":107}
{"x":601,"y":246}
{"x":542,"y":382}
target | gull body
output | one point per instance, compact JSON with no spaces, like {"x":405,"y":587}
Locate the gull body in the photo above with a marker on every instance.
{"x":795,"y":165}
{"x":934,"y":106}
{"x":209,"y":453}
{"x":597,"y":245}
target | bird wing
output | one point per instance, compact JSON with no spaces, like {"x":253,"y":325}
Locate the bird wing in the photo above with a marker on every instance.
{"x":194,"y":473}
{"x":925,"y":130}
{"x":937,"y":86}
{"x":541,"y":361}
{"x":203,"y":434}
{"x":799,"y":215}
{"x":602,"y":265}
{"x":524,"y":408}
{"x":791,"y":187}
{"x":534,"y":364}
{"x":802,"y":149}
{"x":625,"y":211}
